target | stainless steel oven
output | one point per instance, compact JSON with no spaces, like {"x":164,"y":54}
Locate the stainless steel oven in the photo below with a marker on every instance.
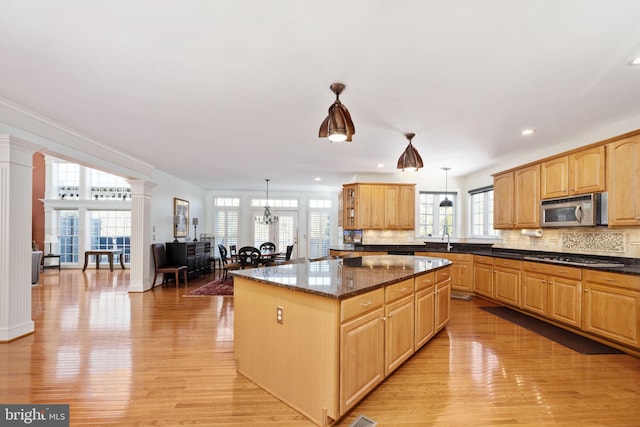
{"x":586,"y":210}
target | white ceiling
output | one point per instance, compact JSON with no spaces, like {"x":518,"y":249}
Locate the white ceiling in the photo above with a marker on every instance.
{"x":227,"y":93}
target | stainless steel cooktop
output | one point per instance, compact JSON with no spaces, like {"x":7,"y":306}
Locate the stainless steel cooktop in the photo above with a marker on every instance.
{"x":581,"y":262}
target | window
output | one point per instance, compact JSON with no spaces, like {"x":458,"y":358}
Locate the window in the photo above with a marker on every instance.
{"x":226,"y":221}
{"x":68,"y":235}
{"x":319,"y":228}
{"x":105,"y":186}
{"x":433,"y":220}
{"x":67,"y":180}
{"x":481,"y":201}
{"x":111,"y":230}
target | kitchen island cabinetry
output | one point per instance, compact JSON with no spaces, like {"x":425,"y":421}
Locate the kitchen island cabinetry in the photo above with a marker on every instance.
{"x":425,"y":308}
{"x":553,"y":291}
{"x":612,"y":306}
{"x":442,"y":298}
{"x":321,"y":349}
{"x":623,"y":181}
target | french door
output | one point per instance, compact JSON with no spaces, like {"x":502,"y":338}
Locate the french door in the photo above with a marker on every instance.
{"x":282,"y":233}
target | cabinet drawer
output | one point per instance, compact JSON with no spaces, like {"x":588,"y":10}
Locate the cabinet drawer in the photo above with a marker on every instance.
{"x":621,"y":280}
{"x":360,"y":304}
{"x":398,"y":290}
{"x":456,"y":257}
{"x":425,"y":280}
{"x":443,"y":275}
{"x":507,"y":263}
{"x":553,"y":270}
{"x":481,"y":259}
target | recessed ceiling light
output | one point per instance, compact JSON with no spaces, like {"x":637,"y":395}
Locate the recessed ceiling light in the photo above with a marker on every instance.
{"x":379,"y":165}
{"x":317,"y":178}
{"x":528,"y":132}
{"x":635,"y":61}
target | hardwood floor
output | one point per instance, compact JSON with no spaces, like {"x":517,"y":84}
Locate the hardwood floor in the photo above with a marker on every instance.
{"x":158,"y":358}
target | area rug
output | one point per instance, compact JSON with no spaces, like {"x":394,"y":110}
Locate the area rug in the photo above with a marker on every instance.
{"x":561,"y":336}
{"x":217,"y":287}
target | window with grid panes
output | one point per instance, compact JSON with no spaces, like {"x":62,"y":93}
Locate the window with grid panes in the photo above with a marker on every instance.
{"x":226,"y":217}
{"x":481,"y":201}
{"x":432,"y":219}
{"x":111,"y":230}
{"x":68,"y":233}
{"x":319,"y":227}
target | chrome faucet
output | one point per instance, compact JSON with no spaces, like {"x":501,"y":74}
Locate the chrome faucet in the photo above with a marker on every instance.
{"x":446,"y":233}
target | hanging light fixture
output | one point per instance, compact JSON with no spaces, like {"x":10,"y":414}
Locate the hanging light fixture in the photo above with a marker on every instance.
{"x":410,"y":158}
{"x":446,"y":203}
{"x":338,"y":125}
{"x":267,"y":218}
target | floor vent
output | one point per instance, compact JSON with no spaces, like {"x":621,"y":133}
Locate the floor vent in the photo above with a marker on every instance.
{"x":363,"y":421}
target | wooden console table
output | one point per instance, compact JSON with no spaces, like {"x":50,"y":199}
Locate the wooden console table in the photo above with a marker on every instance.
{"x":98,"y":253}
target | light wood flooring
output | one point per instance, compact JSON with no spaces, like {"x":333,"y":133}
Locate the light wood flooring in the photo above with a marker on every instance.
{"x":160,"y":359}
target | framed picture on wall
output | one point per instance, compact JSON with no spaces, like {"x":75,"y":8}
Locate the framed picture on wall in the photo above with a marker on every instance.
{"x":180,"y":217}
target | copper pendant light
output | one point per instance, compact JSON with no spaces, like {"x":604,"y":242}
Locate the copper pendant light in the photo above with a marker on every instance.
{"x":338,"y":125}
{"x":410,"y":158}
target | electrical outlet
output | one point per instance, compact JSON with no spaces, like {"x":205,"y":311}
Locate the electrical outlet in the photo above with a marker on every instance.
{"x":279,"y":314}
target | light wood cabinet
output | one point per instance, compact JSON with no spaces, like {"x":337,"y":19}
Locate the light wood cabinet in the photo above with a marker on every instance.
{"x":461,"y":270}
{"x":378,"y":206}
{"x":399,"y":325}
{"x":503,"y":201}
{"x":527,"y":197}
{"x":442,"y":298}
{"x":362,"y":347}
{"x":483,"y":275}
{"x":506,"y":281}
{"x":611,"y":306}
{"x":580,"y":172}
{"x":623,"y":182}
{"x":425,"y":309}
{"x":553,"y":291}
{"x":587,"y":171}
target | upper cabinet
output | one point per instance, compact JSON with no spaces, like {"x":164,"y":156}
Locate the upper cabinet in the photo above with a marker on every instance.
{"x":623,"y":181}
{"x":517,"y":198}
{"x":378,"y":206}
{"x":576,"y":173}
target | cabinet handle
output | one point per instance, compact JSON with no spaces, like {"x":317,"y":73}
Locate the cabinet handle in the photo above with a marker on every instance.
{"x":608,"y":279}
{"x":402,"y":289}
{"x":543,"y":281}
{"x":390,"y":315}
{"x":383,"y":318}
{"x":550,"y":282}
{"x":366,"y":304}
{"x":585,"y":290}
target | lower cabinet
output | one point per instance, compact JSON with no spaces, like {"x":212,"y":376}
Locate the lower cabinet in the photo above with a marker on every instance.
{"x":483,"y":275}
{"x":611,"y":306}
{"x":506,"y":281}
{"x":553,"y":291}
{"x":381,"y":329}
{"x":461,"y":269}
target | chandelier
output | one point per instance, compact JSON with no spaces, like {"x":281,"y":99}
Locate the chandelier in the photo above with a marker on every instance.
{"x":267,"y":218}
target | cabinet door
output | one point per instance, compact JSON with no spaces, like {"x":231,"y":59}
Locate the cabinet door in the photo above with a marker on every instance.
{"x":399,"y":333}
{"x":364,"y":207}
{"x":507,"y":285}
{"x":527,"y":197}
{"x":461,"y":273}
{"x":623,"y":181}
{"x":612,"y":313}
{"x":361,"y":357}
{"x":554,"y":178}
{"x":565,"y":303}
{"x":442,"y":304}
{"x":378,"y":207}
{"x":391,"y":204}
{"x":425,"y":315}
{"x":535,"y":293}
{"x":349,"y":208}
{"x":503,"y":200}
{"x":406,"y":207}
{"x":483,"y":279}
{"x":587,"y":171}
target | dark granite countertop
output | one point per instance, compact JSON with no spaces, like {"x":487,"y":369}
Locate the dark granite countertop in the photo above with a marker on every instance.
{"x":631,"y":265}
{"x":344,"y":278}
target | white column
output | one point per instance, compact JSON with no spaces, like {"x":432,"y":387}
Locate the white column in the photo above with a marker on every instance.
{"x":141,"y":264}
{"x":16,"y":164}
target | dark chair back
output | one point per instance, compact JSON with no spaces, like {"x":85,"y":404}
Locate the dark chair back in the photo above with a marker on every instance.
{"x":249,"y":256}
{"x":159,"y":255}
{"x":268,"y":246}
{"x":223,"y":253}
{"x":233,"y":253}
{"x":287,"y":256}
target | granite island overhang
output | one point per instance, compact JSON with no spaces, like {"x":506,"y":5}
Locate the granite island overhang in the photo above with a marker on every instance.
{"x":321,"y":335}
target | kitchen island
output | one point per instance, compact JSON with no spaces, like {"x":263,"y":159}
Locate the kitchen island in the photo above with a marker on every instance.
{"x":321,"y":335}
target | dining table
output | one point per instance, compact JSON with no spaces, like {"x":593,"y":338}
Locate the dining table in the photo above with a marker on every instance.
{"x":268,"y":256}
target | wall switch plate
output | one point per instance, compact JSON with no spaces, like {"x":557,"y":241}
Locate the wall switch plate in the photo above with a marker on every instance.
{"x":279,"y":315}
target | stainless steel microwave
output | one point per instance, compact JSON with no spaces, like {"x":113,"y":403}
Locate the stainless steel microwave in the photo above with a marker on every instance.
{"x":586,"y":210}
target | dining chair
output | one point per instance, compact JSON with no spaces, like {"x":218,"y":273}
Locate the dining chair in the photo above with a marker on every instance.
{"x":268,"y":246}
{"x":226,"y":265}
{"x":161,"y":265}
{"x":233,"y":253}
{"x":287,"y":255}
{"x":249,"y":257}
